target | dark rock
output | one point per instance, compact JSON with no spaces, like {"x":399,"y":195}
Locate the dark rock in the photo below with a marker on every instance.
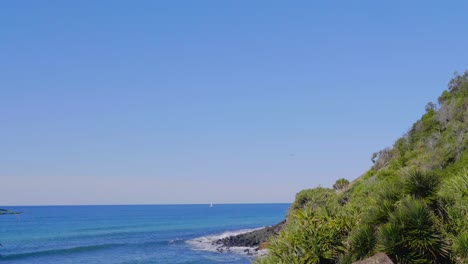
{"x":251,"y":239}
{"x":379,"y":258}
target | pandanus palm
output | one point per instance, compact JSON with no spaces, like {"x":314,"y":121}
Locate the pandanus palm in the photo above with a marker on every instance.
{"x":421,"y":185}
{"x":413,"y":234}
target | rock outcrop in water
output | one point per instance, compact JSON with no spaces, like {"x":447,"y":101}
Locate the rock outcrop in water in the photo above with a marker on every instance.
{"x":251,"y":239}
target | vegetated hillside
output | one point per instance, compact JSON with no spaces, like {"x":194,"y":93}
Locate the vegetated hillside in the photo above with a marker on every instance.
{"x":412,"y":204}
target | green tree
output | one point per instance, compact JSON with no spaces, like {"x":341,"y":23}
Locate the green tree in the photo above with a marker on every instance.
{"x":340,"y":184}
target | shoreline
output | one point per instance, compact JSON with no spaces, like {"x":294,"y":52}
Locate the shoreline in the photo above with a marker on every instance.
{"x":245,"y":242}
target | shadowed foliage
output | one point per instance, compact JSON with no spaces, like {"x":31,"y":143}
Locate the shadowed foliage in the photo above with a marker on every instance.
{"x":362,"y":242}
{"x":413,"y":234}
{"x":421,"y":185}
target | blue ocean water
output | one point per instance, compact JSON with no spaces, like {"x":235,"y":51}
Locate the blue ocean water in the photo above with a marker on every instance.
{"x":126,"y":234}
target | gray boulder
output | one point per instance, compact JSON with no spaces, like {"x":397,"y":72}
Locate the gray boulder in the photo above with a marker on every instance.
{"x":379,"y":258}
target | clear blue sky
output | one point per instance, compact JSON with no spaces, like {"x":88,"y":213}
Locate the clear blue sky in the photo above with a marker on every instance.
{"x":121,"y":102}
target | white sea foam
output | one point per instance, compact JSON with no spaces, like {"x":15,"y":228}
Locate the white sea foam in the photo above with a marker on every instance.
{"x":208,"y":243}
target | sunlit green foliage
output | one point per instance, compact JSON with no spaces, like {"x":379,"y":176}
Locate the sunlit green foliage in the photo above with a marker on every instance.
{"x":421,"y":185}
{"x":313,"y":234}
{"x":413,"y":234}
{"x":314,"y":198}
{"x":340,"y":184}
{"x":460,"y":247}
{"x":412,"y":204}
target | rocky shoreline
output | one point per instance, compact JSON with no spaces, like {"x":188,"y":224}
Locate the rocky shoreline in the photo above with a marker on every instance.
{"x":249,"y":243}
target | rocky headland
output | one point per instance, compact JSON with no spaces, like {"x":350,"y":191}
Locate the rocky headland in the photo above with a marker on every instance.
{"x":251,"y":242}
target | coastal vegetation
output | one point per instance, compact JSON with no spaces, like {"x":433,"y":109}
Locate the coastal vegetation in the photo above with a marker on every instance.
{"x":412,"y":204}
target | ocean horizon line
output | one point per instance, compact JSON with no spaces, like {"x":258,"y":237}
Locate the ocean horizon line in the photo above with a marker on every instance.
{"x":138,"y":204}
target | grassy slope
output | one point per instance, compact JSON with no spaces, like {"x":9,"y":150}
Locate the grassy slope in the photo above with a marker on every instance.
{"x":412,"y":204}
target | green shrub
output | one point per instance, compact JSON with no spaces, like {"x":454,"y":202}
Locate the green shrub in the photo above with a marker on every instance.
{"x":362,"y":242}
{"x":311,"y":235}
{"x":313,"y":197}
{"x":460,"y":248}
{"x":421,"y":185}
{"x":340,"y":184}
{"x":413,"y":235}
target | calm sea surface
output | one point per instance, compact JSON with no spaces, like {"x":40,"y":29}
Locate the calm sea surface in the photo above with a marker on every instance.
{"x":127,"y":234}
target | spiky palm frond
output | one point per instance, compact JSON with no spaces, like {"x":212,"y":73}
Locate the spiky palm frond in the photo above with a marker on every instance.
{"x":312,"y":235}
{"x":379,"y":213}
{"x":384,"y":203}
{"x":421,"y":185}
{"x":390,"y":238}
{"x":413,"y":234}
{"x":460,"y":247}
{"x":362,"y":242}
{"x":456,"y":186}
